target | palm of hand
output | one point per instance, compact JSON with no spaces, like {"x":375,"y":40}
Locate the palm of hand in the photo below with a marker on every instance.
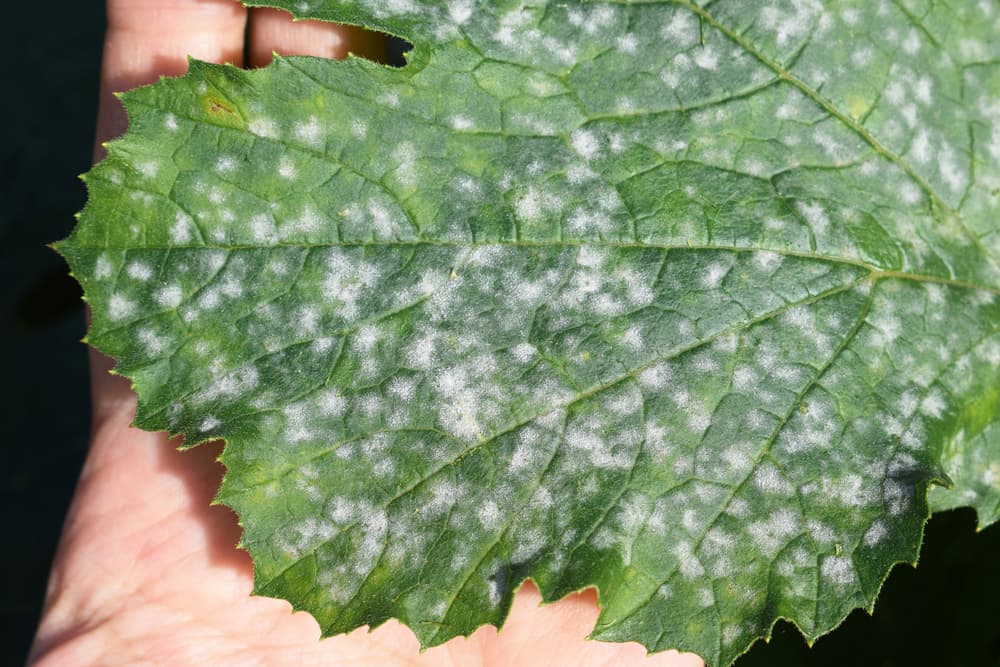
{"x":147,"y":572}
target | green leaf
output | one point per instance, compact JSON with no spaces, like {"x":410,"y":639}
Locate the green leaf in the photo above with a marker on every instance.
{"x":688,"y":302}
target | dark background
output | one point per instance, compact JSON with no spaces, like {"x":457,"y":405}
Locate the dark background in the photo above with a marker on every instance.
{"x":947,"y":612}
{"x":48,"y":99}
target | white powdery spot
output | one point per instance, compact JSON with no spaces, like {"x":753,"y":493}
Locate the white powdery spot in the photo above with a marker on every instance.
{"x":628,"y":43}
{"x":225,"y":164}
{"x":208,"y":423}
{"x":431,"y":280}
{"x":739,"y":507}
{"x":655,"y":377}
{"x":119,"y":307}
{"x":920,"y":149}
{"x":706,"y":597}
{"x":638,"y":290}
{"x":169,"y":296}
{"x":404,"y":157}
{"x":889,"y":326}
{"x":170,"y":122}
{"x":382,"y":221}
{"x":349,"y":278}
{"x":367,"y":337}
{"x":153,"y":343}
{"x":263,"y":127}
{"x":524,"y":352}
{"x":816,"y":216}
{"x":706,"y":58}
{"x":295,"y":423}
{"x":402,"y":388}
{"x":139,"y":271}
{"x":699,"y":421}
{"x":838,"y":570}
{"x":789,"y":26}
{"x":180,"y":231}
{"x":851,"y":490}
{"x":535,"y":203}
{"x":286,"y":168}
{"x":786,"y":110}
{"x":682,"y":28}
{"x":590,"y":256}
{"x":990,"y":352}
{"x":909,"y":193}
{"x":579,"y":173}
{"x":602,"y":452}
{"x":331,"y":403}
{"x":489,"y":515}
{"x":633,"y":338}
{"x":670,"y":77}
{"x":755,"y":167}
{"x":103,"y":268}
{"x":309,"y":221}
{"x":460,"y":11}
{"x":820,"y":532}
{"x":769,"y":480}
{"x":933,"y":405}
{"x":529,"y":544}
{"x":585,"y":143}
{"x":310,"y":132}
{"x":862,"y":57}
{"x":148,"y":169}
{"x":460,"y":417}
{"x":421,"y":353}
{"x":713,"y":275}
{"x":369,"y":404}
{"x":375,"y":523}
{"x":875,"y":533}
{"x":833,"y":149}
{"x":731,"y":633}
{"x":495,"y":593}
{"x":688,"y":563}
{"x":951,"y":173}
{"x":935,"y":293}
{"x":739,"y":457}
{"x":524,"y":453}
{"x":583,"y":221}
{"x":262,"y":228}
{"x":766,"y":260}
{"x":443,"y":495}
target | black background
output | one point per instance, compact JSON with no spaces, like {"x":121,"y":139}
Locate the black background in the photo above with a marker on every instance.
{"x":947,"y":612}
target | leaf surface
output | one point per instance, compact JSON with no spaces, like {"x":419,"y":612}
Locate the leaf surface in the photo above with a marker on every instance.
{"x":689,"y":302}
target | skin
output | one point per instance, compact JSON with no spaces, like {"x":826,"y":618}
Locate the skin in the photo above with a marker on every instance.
{"x":147,"y":572}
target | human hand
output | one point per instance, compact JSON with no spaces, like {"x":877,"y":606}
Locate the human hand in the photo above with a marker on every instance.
{"x":147,"y":572}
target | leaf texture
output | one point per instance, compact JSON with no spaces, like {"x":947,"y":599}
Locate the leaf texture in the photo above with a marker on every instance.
{"x":691,"y":302}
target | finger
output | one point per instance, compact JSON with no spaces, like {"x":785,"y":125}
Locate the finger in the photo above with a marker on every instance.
{"x":272,"y":30}
{"x":150,"y":38}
